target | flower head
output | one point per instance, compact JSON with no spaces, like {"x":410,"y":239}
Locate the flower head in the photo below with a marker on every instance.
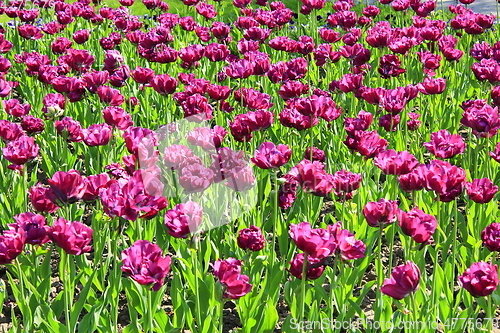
{"x":144,"y":262}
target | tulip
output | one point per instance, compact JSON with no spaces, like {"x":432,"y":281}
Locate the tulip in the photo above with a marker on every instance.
{"x":70,"y":129}
{"x":380,"y":213}
{"x":432,"y":86}
{"x":318,"y":243}
{"x":251,"y":239}
{"x":445,"y":145}
{"x":138,"y":137}
{"x":97,"y":135}
{"x":72,"y":237}
{"x":15,"y":108}
{"x":34,"y":226}
{"x":481,"y":117}
{"x":93,"y":184}
{"x":11,"y":245}
{"x":81,"y":36}
{"x":270,"y":156}
{"x":144,"y":263}
{"x":110,"y":96}
{"x":480,"y":279}
{"x":117,"y":117}
{"x":403,"y":281}
{"x":413,"y":123}
{"x":314,"y":154}
{"x":313,"y":178}
{"x":496,"y":153}
{"x":415,"y":180}
{"x":235,"y":284}
{"x":395,"y":163}
{"x":345,"y":182}
{"x":481,"y":190}
{"x":207,"y":138}
{"x":314,"y":267}
{"x":417,"y":224}
{"x":21,"y":151}
{"x":42,"y":199}
{"x":491,"y":237}
{"x":348,"y":246}
{"x":32,"y":125}
{"x":288,"y":191}
{"x":195,"y":178}
{"x":183,"y":219}
{"x":390,"y":66}
{"x":369,"y":144}
{"x":68,"y":187}
{"x":445,"y":179}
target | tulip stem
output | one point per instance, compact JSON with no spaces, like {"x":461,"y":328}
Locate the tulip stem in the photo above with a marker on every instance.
{"x":455,"y":242}
{"x":20,"y":276}
{"x":221,"y":319}
{"x":275,"y":217}
{"x":413,"y":310}
{"x":303,"y":288}
{"x":380,"y":274}
{"x":148,"y":311}
{"x":333,"y":285}
{"x":490,"y":315}
{"x":65,"y":278}
{"x":194,"y":257}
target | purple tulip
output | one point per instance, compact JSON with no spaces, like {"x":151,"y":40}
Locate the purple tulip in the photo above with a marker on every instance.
{"x":42,"y":199}
{"x":251,"y":239}
{"x":481,"y":190}
{"x":314,"y":154}
{"x":21,"y":150}
{"x":68,"y":187}
{"x":345,"y":183}
{"x":413,"y":181}
{"x":348,"y":246}
{"x":72,"y":237}
{"x":11,"y":245}
{"x":443,"y":144}
{"x":403,"y":281}
{"x":392,"y":162}
{"x":183,"y":219}
{"x":144,"y":263}
{"x":313,"y":178}
{"x":480,"y":279}
{"x":314,"y":268}
{"x":34,"y":226}
{"x":491,"y":237}
{"x":270,"y":156}
{"x":229,"y":274}
{"x":381,"y":212}
{"x":318,"y":243}
{"x":417,"y":224}
{"x":445,"y":179}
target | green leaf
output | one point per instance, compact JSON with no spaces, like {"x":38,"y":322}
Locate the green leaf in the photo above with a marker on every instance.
{"x":78,"y":306}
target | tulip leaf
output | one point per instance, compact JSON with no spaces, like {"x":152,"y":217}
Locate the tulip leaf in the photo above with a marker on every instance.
{"x":82,"y":299}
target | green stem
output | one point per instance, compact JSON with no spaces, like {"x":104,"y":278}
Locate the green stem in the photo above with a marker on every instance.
{"x":303,"y":288}
{"x":413,"y":310}
{"x":66,"y":280}
{"x":490,"y":314}
{"x":149,"y":310}
{"x":20,"y":276}
{"x":333,"y":285}
{"x":194,"y":257}
{"x":380,"y":275}
{"x":221,"y":319}
{"x":275,"y":218}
